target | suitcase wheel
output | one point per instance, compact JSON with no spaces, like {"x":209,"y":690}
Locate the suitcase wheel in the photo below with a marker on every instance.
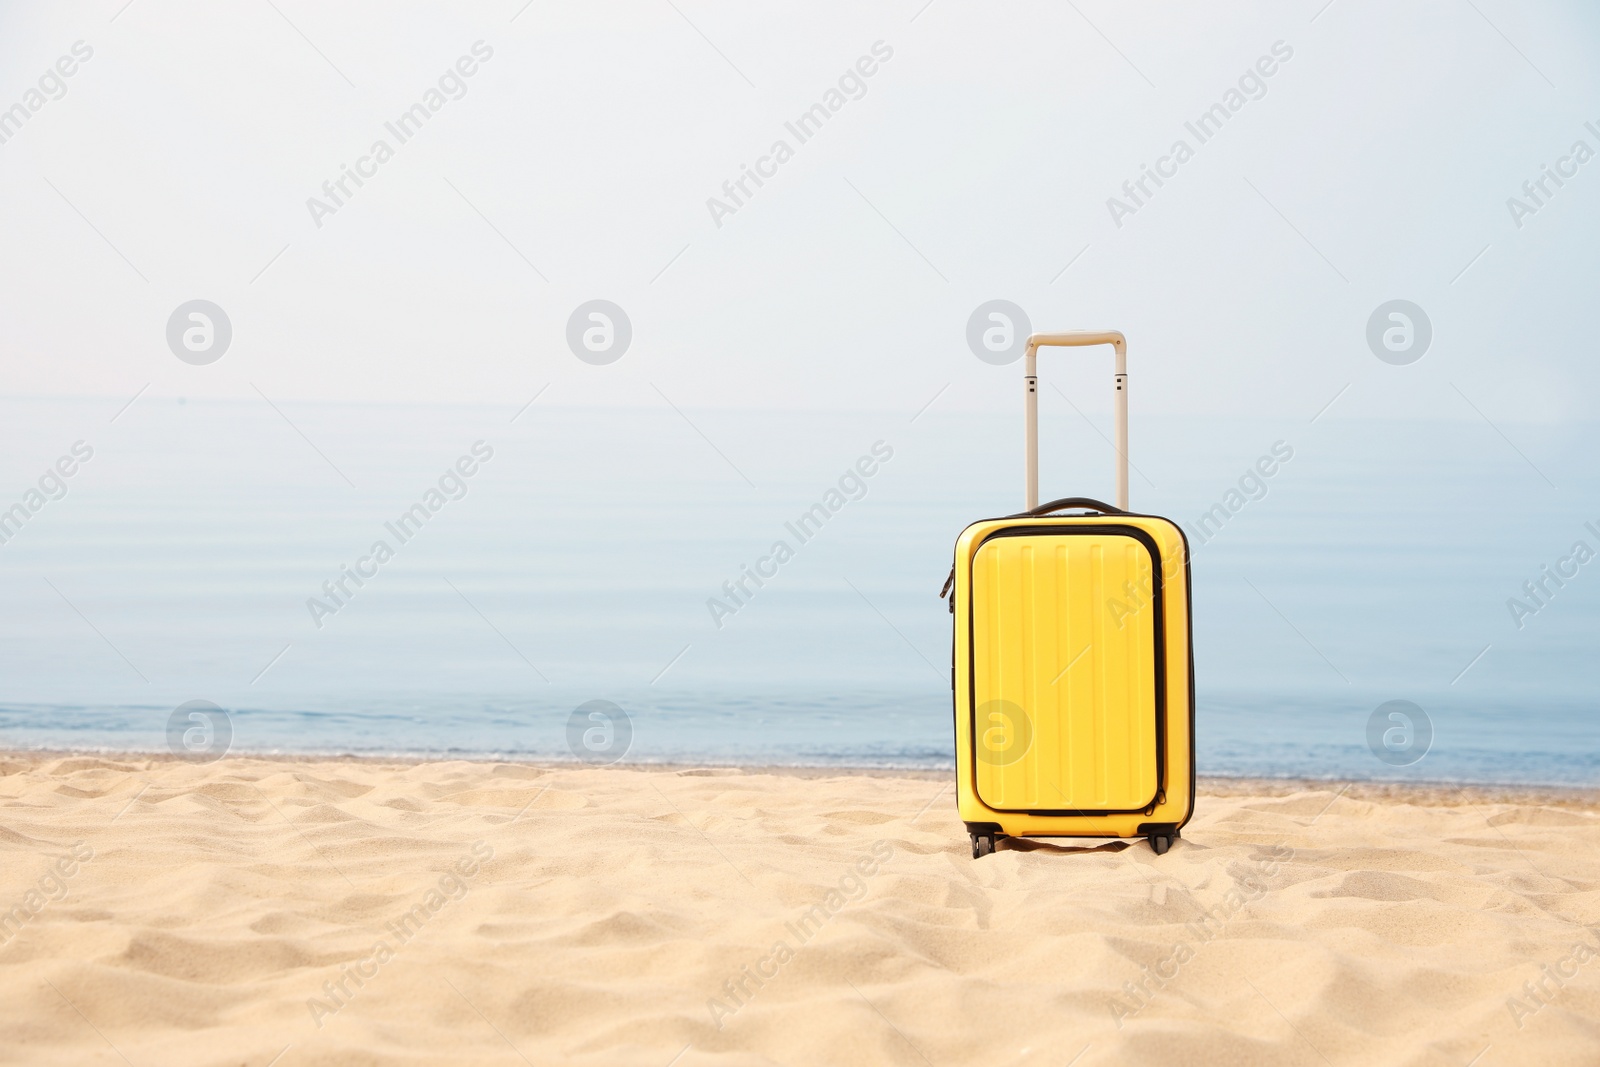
{"x":1160,"y":843}
{"x":982,"y":845}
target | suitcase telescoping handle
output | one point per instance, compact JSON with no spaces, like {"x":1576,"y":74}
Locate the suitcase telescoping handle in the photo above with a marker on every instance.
{"x":1074,"y":339}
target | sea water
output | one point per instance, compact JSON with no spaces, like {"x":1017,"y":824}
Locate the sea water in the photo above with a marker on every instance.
{"x":632,"y":555}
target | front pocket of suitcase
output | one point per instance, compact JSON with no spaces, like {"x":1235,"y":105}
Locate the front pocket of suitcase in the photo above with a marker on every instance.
{"x":1067,"y":653}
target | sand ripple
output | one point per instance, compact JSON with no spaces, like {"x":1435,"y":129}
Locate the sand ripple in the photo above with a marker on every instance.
{"x":344,"y":912}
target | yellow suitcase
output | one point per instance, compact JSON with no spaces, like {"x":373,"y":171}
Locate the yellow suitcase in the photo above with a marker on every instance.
{"x":1072,"y":661}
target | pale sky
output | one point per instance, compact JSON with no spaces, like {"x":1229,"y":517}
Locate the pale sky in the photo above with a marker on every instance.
{"x":975,"y":163}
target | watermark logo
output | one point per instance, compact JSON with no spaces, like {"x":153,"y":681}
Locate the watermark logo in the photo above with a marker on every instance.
{"x":997,"y":332}
{"x":599,"y":732}
{"x":1399,"y":332}
{"x":199,"y":332}
{"x":737,"y":192}
{"x":51,"y":86}
{"x":199,"y":731}
{"x":1552,"y":980}
{"x":741,"y":987}
{"x":451,"y":485}
{"x":1552,"y":578}
{"x":451,"y":887}
{"x":1399,"y":733}
{"x":599,"y":332}
{"x":337,"y":192}
{"x":49,"y":889}
{"x":1252,"y":486}
{"x":1005,"y":733}
{"x":1248,"y":887}
{"x":851,"y":485}
{"x":1537,"y":192}
{"x":52,"y":485}
{"x":1138,"y":192}
{"x":1139,"y":596}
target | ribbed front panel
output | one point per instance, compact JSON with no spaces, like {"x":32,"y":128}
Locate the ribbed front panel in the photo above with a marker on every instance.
{"x":1064,"y":669}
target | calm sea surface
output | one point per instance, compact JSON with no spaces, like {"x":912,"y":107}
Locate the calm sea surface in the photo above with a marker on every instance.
{"x":576,"y":563}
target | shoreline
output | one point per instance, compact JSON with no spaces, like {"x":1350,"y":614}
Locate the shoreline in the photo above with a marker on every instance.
{"x":1433,"y":792}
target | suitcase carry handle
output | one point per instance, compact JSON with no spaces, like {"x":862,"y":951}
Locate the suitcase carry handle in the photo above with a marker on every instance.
{"x":1030,"y":380}
{"x":1085,"y":502}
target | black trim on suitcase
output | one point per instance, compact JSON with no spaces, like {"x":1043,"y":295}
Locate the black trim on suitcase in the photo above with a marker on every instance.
{"x":1158,"y":600}
{"x":1188,"y":613}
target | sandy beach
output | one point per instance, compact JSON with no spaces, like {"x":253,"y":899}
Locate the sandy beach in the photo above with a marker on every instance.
{"x":300,"y":912}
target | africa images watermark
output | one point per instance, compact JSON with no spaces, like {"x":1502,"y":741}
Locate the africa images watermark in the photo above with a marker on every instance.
{"x":1399,"y":733}
{"x":1252,"y":85}
{"x":452,"y":485}
{"x":199,"y":731}
{"x":49,"y":889}
{"x":452,"y":886}
{"x":1537,"y":192}
{"x":1398,"y":332}
{"x":1154,"y":978}
{"x":1552,"y":979}
{"x":1552,"y":579}
{"x":199,"y":332}
{"x":741,"y":987}
{"x":852,"y":485}
{"x":52,"y":485}
{"x":804,"y":127}
{"x":599,"y":732}
{"x":406,"y":126}
{"x":1252,"y":486}
{"x":52,"y":86}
